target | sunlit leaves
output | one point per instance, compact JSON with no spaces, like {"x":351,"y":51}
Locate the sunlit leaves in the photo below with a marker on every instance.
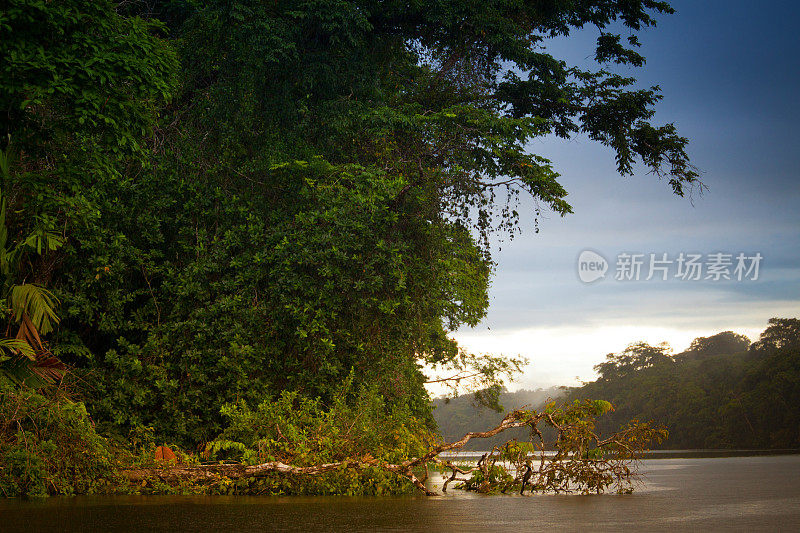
{"x":36,"y":302}
{"x":578,"y":459}
{"x":12,"y":347}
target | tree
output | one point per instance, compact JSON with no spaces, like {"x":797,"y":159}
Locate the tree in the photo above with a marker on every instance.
{"x":637,"y":356}
{"x":782,"y":333}
{"x":726,"y":342}
{"x":317,"y":197}
{"x":259,"y":201}
{"x":715,"y":395}
{"x":584,"y":462}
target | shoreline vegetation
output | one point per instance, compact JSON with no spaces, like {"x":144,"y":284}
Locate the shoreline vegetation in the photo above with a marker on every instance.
{"x":294,"y":445}
{"x":240,"y":233}
{"x":583,"y":463}
{"x":723,"y":392}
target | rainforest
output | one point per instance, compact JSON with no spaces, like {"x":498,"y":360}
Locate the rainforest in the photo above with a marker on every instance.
{"x":240,"y":233}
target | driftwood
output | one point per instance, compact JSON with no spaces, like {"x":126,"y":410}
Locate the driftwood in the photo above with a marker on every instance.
{"x":212,"y":473}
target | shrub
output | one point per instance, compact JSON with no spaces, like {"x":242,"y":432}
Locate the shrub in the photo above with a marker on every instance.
{"x":48,"y":445}
{"x":301,"y":431}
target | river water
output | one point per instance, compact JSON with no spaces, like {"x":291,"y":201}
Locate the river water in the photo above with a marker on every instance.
{"x":690,"y":494}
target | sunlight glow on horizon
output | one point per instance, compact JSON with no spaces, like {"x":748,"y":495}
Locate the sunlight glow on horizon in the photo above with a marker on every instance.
{"x":566,"y":355}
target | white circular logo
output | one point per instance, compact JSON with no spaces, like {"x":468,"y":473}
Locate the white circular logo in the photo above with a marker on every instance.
{"x":591,"y":266}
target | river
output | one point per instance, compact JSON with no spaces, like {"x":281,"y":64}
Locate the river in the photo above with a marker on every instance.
{"x":678,"y":494}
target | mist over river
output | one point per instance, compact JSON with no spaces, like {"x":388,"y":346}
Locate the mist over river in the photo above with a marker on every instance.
{"x":678,"y":494}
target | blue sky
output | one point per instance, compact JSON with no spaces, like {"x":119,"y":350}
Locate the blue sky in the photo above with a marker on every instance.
{"x":729,"y":73}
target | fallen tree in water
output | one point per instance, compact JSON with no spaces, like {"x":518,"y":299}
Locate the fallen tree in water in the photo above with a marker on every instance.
{"x":580,"y":459}
{"x":292,"y":445}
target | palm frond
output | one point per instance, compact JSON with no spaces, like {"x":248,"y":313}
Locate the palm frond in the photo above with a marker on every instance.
{"x":22,"y":371}
{"x":26,"y":366}
{"x":17,"y":347}
{"x":37,"y":303}
{"x":42,"y":238}
{"x":26,"y":359}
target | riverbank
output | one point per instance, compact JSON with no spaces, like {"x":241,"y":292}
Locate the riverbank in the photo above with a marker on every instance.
{"x":758,"y":493}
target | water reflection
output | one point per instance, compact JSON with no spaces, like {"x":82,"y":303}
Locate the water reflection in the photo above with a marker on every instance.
{"x":678,"y":494}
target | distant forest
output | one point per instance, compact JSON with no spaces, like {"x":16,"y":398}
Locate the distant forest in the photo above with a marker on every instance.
{"x":722,"y":392}
{"x":457,"y":416}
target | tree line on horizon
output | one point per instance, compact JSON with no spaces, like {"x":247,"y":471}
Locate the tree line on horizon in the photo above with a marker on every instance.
{"x":723,"y":392}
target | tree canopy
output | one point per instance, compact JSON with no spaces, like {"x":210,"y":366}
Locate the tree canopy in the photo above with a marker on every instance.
{"x":723,"y":392}
{"x":253,"y":198}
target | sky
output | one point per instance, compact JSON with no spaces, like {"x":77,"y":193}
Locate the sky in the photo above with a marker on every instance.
{"x":729,"y":74}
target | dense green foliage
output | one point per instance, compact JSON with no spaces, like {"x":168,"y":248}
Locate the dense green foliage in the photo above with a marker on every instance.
{"x":722,"y":392}
{"x":247,"y":200}
{"x":302,"y":432}
{"x":49,"y":446}
{"x":30,"y":308}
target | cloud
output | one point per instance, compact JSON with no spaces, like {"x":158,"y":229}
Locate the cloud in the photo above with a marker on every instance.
{"x":732,"y":96}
